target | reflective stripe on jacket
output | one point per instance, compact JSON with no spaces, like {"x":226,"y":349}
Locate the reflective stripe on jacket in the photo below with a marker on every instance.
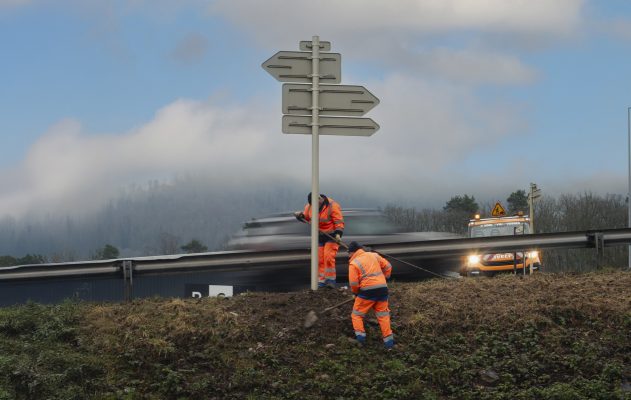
{"x":331,"y":218}
{"x":368,"y":271}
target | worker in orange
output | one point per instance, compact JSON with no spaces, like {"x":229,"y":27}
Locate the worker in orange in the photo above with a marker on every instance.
{"x":331,"y":226}
{"x":368,"y":273}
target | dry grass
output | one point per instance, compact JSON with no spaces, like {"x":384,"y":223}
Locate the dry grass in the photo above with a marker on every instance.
{"x":542,"y":336}
{"x":440,"y":306}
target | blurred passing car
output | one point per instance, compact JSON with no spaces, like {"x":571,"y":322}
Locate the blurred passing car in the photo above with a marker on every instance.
{"x":282,"y":231}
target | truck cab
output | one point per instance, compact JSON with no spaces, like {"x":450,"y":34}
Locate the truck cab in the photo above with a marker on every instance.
{"x":489,"y":264}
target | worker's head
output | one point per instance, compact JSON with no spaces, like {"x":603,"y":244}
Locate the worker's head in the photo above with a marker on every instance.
{"x":320,"y":198}
{"x":353,"y":247}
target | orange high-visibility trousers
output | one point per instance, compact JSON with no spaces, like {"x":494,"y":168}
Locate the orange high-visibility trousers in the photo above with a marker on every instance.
{"x":361,"y":308}
{"x":326,"y":262}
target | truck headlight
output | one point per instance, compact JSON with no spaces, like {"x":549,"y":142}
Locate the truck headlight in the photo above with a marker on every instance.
{"x":474,"y":259}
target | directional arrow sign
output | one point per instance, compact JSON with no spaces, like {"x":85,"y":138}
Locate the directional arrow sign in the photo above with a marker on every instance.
{"x":295,"y":66}
{"x":333,"y":100}
{"x":341,"y":126}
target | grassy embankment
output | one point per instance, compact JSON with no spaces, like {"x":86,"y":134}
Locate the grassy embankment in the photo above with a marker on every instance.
{"x":542,"y":337}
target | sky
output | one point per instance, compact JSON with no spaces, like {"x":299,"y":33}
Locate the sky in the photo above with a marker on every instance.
{"x":480,"y":97}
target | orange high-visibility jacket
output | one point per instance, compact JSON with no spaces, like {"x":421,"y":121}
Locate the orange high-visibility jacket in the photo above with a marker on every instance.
{"x":367,"y":270}
{"x":331,"y":218}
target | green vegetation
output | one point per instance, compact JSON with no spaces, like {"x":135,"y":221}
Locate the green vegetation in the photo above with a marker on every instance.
{"x":108,"y":252}
{"x":8,"y":261}
{"x":463,"y":203}
{"x":546,"y":336}
{"x":517,"y":201}
{"x":41,"y":355}
{"x":194,"y":246}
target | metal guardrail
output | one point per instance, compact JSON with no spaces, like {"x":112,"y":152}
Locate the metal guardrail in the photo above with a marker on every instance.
{"x":36,"y":271}
{"x":233,"y":260}
{"x":249,"y":260}
{"x":597,"y":239}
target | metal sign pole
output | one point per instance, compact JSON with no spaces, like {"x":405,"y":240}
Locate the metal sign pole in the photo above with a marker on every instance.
{"x":315,"y":145}
{"x":629,"y":192}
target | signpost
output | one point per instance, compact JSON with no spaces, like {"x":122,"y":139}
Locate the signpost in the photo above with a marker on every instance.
{"x":304,"y":104}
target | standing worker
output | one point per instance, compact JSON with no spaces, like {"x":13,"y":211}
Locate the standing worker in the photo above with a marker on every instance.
{"x":331,"y":226}
{"x":367,"y":276}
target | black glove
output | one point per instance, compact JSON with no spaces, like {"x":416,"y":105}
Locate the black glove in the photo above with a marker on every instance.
{"x":338,"y":232}
{"x":299,"y":216}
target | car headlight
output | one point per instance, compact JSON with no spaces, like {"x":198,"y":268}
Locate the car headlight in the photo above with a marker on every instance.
{"x":533,"y":254}
{"x":473,"y":259}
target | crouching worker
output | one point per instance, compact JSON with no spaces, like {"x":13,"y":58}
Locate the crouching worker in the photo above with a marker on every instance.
{"x":367,"y":275}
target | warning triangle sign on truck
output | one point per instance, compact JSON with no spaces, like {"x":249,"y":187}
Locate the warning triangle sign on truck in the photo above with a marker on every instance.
{"x":498,"y":210}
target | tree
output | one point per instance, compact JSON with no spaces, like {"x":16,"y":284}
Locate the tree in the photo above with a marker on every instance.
{"x":517,"y":201}
{"x":169,"y":243}
{"x":31,"y":259}
{"x":463,"y":204}
{"x":108,"y":252}
{"x":194,"y":246}
{"x":8,"y":261}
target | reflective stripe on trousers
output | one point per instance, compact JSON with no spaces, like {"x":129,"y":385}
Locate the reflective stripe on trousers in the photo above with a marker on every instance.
{"x":362,"y":307}
{"x":326,"y":261}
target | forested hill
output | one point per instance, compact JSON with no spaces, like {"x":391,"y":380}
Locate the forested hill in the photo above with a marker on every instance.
{"x":162,"y":217}
{"x":156,"y":219}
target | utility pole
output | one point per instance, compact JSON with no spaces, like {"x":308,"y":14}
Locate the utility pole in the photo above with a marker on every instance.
{"x":532,"y":196}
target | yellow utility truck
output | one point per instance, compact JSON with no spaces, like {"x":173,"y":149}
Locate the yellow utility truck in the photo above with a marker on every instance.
{"x":489,"y":264}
